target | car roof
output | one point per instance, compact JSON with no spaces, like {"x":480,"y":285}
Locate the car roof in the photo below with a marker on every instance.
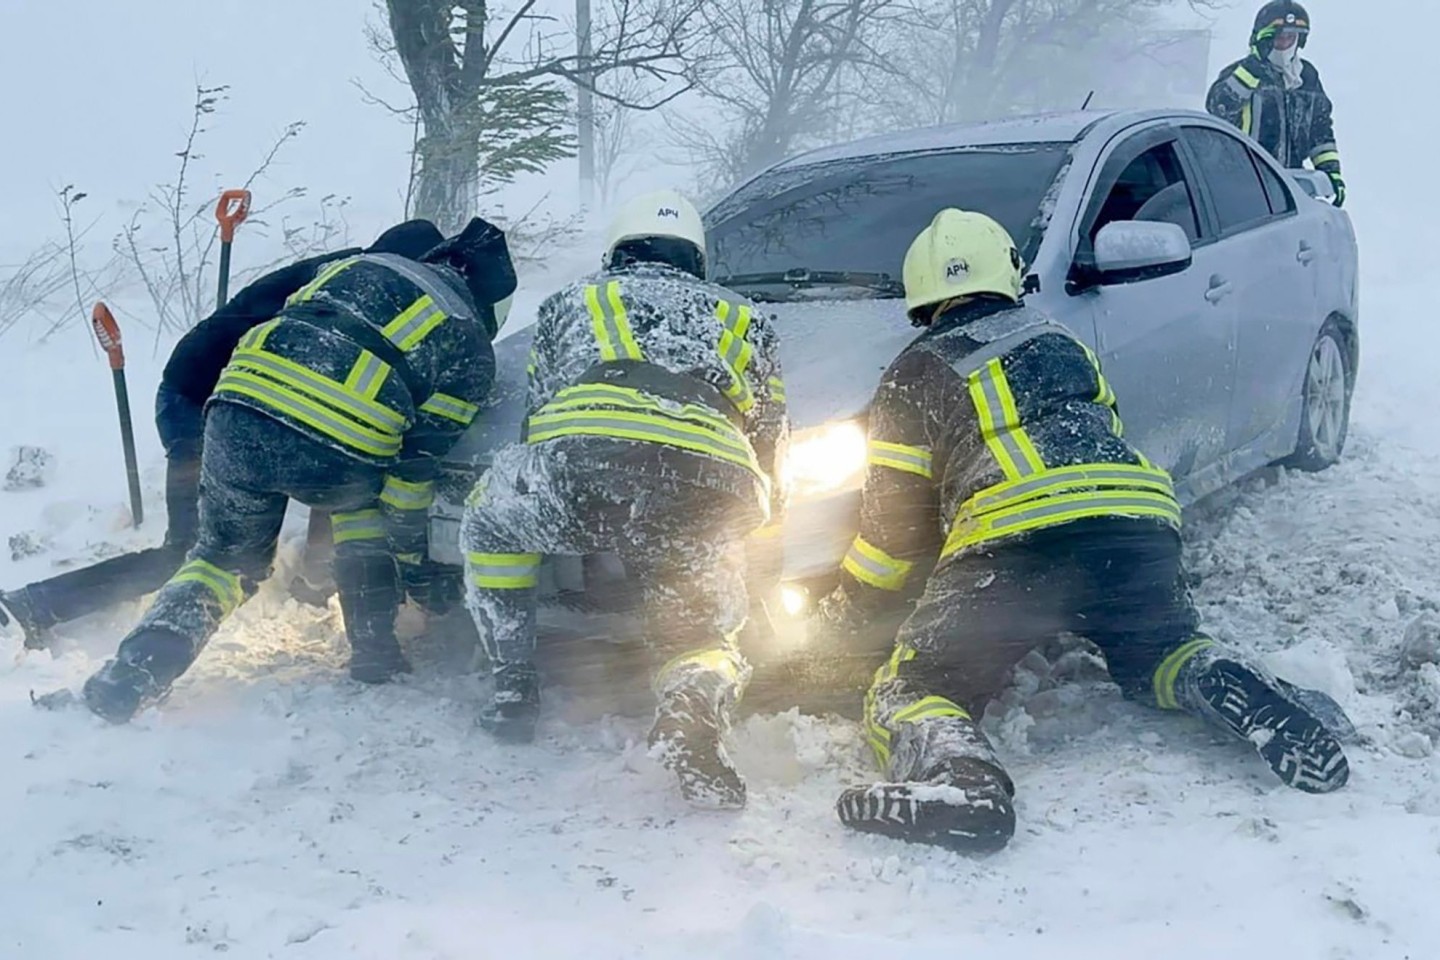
{"x":1039,"y":128}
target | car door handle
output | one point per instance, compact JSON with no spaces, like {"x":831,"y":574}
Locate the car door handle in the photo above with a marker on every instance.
{"x":1307,"y":253}
{"x":1220,"y":288}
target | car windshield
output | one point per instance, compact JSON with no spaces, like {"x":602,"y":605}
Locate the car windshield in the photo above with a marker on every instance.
{"x":841,"y":229}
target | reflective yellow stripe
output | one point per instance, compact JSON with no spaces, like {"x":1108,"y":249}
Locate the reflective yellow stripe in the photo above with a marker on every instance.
{"x":611,"y":324}
{"x":643,"y":427}
{"x":610,"y":411}
{"x":1247,"y":78}
{"x":1000,"y":423}
{"x":900,"y":456}
{"x":319,"y":388}
{"x":1055,"y":510}
{"x":222,"y":584}
{"x":622,"y":322}
{"x":504,"y":571}
{"x":928,"y":709}
{"x":451,"y":408}
{"x":869,"y":564}
{"x":1112,"y":476}
{"x":323,"y":277}
{"x":736,"y":352}
{"x":777,"y":389}
{"x":1247,"y":118}
{"x":1169,"y":669}
{"x":530,"y":363}
{"x":1330,"y":156}
{"x":876,"y":733}
{"x":768,"y":532}
{"x":414,"y":324}
{"x":716,"y":660}
{"x":294,"y":404}
{"x":355,"y":525}
{"x":605,"y":396}
{"x":404,"y":495}
{"x":255,"y":339}
{"x":368,"y":376}
{"x":410,"y":559}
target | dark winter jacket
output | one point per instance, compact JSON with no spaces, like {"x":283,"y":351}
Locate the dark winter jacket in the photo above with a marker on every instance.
{"x":993,"y":423}
{"x":196,"y":362}
{"x":608,"y":347}
{"x":1294,"y":125}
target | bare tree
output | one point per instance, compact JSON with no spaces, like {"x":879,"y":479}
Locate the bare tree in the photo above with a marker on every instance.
{"x":492,"y":85}
{"x":775,"y":77}
{"x":617,"y":130}
{"x":965,"y":60}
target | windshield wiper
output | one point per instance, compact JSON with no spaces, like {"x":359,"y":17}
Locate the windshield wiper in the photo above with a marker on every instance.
{"x":802,"y":278}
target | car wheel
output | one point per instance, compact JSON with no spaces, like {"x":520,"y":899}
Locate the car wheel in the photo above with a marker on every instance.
{"x":1325,"y":411}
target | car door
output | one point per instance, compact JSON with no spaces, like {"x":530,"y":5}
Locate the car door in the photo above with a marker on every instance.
{"x":1271,"y":261}
{"x":1165,"y":344}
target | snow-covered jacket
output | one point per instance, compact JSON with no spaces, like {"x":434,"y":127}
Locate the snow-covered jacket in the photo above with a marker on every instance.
{"x":993,"y":423}
{"x":648,"y":354}
{"x":1294,"y":125}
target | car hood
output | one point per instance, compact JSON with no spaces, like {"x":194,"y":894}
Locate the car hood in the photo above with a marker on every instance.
{"x":832,"y":354}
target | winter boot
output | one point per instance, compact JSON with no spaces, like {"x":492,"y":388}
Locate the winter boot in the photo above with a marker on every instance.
{"x":376,"y":658}
{"x":17,"y":611}
{"x":697,"y":696}
{"x":949,"y":791}
{"x":140,"y":675}
{"x":514,"y":710}
{"x":1302,"y":751}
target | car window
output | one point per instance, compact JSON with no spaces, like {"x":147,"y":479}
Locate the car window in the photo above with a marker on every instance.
{"x":1240,"y":197}
{"x":1153,"y":188}
{"x":861,"y":215}
{"x":1281,"y":200}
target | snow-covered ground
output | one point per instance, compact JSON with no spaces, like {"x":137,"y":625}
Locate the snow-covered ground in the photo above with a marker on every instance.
{"x":273,"y":810}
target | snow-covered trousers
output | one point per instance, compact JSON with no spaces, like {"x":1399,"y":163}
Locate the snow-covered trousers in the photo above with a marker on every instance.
{"x":680,"y":540}
{"x":252,"y":467}
{"x":1117,"y":582}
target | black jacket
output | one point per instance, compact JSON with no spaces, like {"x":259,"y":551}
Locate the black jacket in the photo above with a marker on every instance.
{"x":1294,"y":125}
{"x":994,"y":423}
{"x":201,"y":354}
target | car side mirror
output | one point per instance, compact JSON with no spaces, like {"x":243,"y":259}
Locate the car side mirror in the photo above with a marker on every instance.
{"x":1129,"y":251}
{"x":1316,"y":183}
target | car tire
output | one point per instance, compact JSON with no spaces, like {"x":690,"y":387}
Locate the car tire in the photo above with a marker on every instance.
{"x":1325,"y":403}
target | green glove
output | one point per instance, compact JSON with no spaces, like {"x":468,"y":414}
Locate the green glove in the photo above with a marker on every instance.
{"x":1338,"y":182}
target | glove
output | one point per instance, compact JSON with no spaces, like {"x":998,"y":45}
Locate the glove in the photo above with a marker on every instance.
{"x":433,"y":587}
{"x":1338,"y":182}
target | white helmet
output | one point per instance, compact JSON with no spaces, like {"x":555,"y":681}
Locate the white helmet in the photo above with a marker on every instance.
{"x":663,"y":216}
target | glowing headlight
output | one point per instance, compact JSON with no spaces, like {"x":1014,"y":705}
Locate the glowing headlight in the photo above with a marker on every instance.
{"x":826,"y":459}
{"x":794,"y":599}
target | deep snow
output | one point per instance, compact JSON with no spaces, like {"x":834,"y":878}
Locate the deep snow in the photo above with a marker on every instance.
{"x":271,"y":809}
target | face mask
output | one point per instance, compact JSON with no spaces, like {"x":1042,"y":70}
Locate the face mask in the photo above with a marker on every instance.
{"x":1290,"y":65}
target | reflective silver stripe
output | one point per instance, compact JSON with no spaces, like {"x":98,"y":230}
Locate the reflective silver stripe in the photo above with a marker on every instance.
{"x":1026,"y":489}
{"x":1003,"y":434}
{"x":882,"y":570}
{"x":572,"y":399}
{"x":450,"y":301}
{"x":1033,"y":327}
{"x":402,"y":334}
{"x":361,"y":525}
{"x":920,"y":460}
{"x":506,"y":570}
{"x":1325,"y":148}
{"x":314,"y":415}
{"x":451,"y":408}
{"x":1043,"y":510}
{"x":599,"y":422}
{"x":368,"y":374}
{"x":366,"y":411}
{"x":1238,"y":87}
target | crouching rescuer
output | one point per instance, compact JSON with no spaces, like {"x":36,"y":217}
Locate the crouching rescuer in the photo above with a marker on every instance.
{"x":656,"y":416}
{"x":344,"y":402}
{"x":995,"y":443}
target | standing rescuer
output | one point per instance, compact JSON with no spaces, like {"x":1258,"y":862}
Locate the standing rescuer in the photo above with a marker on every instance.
{"x":344,"y":401}
{"x":656,"y":420}
{"x":1276,"y":96}
{"x":995,"y":442}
